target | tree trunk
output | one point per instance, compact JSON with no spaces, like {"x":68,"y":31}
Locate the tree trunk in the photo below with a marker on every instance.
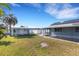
{"x":10,"y":30}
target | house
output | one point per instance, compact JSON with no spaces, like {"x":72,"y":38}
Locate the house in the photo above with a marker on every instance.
{"x":25,"y":31}
{"x":66,"y":29}
{"x":20,"y":31}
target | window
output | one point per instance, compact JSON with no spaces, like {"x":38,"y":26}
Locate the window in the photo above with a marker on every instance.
{"x":77,"y":29}
{"x":14,"y":30}
{"x":24,"y":29}
{"x":58,"y":29}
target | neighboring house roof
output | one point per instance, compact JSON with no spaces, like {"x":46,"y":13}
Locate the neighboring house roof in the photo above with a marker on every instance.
{"x":2,"y":26}
{"x":57,"y":23}
{"x":22,"y":28}
{"x":69,"y":23}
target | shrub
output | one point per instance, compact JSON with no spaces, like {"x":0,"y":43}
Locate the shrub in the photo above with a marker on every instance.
{"x":2,"y":34}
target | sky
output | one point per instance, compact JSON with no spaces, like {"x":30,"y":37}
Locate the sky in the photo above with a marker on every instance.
{"x":43,"y":14}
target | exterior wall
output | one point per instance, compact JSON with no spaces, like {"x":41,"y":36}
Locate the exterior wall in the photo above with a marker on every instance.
{"x":19,"y":32}
{"x":66,"y":32}
{"x":25,"y":31}
{"x":44,"y":32}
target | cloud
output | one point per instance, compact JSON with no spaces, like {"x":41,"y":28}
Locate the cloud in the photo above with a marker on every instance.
{"x":66,"y":11}
{"x":37,"y":5}
{"x":15,"y":5}
{"x":51,"y":9}
{"x":57,"y":10}
{"x":66,"y":6}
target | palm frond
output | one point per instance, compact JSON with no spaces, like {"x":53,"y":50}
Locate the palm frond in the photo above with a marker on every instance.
{"x":2,"y":12}
{"x":10,"y":19}
{"x":5,"y":5}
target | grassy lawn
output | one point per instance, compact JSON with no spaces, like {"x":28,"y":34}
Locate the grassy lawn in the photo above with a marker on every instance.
{"x":30,"y":45}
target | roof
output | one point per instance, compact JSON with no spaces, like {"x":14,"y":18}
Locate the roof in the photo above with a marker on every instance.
{"x":69,"y":23}
{"x":66,"y":22}
{"x":2,"y":26}
{"x":22,"y":28}
{"x":19,"y":28}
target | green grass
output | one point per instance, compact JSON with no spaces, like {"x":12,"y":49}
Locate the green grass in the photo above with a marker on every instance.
{"x":25,"y":46}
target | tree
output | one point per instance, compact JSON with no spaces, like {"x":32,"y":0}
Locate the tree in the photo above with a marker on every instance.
{"x":2,"y":30}
{"x":3,"y":5}
{"x":10,"y":20}
{"x":2,"y":13}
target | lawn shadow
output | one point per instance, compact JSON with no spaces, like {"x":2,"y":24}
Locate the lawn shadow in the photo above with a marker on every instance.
{"x":6,"y":43}
{"x":26,"y":36}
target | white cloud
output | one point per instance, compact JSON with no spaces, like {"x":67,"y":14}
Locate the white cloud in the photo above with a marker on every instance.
{"x":67,"y":6}
{"x":59,"y":11}
{"x":37,"y":5}
{"x":51,"y":9}
{"x":67,"y":11}
{"x":15,"y":5}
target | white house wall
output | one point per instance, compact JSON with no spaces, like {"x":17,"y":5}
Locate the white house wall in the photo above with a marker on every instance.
{"x":67,"y":33}
{"x":19,"y":32}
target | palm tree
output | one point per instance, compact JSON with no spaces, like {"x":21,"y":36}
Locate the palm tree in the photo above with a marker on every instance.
{"x":2,"y":30}
{"x":2,"y":13}
{"x":10,"y":20}
{"x":3,"y":5}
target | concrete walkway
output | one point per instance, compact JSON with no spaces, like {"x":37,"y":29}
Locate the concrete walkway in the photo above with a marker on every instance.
{"x":61,"y":39}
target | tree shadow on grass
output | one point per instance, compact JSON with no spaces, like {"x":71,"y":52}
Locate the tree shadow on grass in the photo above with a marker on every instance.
{"x":26,"y":36}
{"x":6,"y":43}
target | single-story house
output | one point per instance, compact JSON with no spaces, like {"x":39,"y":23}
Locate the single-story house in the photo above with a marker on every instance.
{"x":25,"y":31}
{"x":19,"y":31}
{"x":67,"y":29}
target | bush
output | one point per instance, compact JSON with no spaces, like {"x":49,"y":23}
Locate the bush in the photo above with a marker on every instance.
{"x":2,"y":34}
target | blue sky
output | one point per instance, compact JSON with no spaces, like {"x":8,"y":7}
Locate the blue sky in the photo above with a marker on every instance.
{"x":42,"y":15}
